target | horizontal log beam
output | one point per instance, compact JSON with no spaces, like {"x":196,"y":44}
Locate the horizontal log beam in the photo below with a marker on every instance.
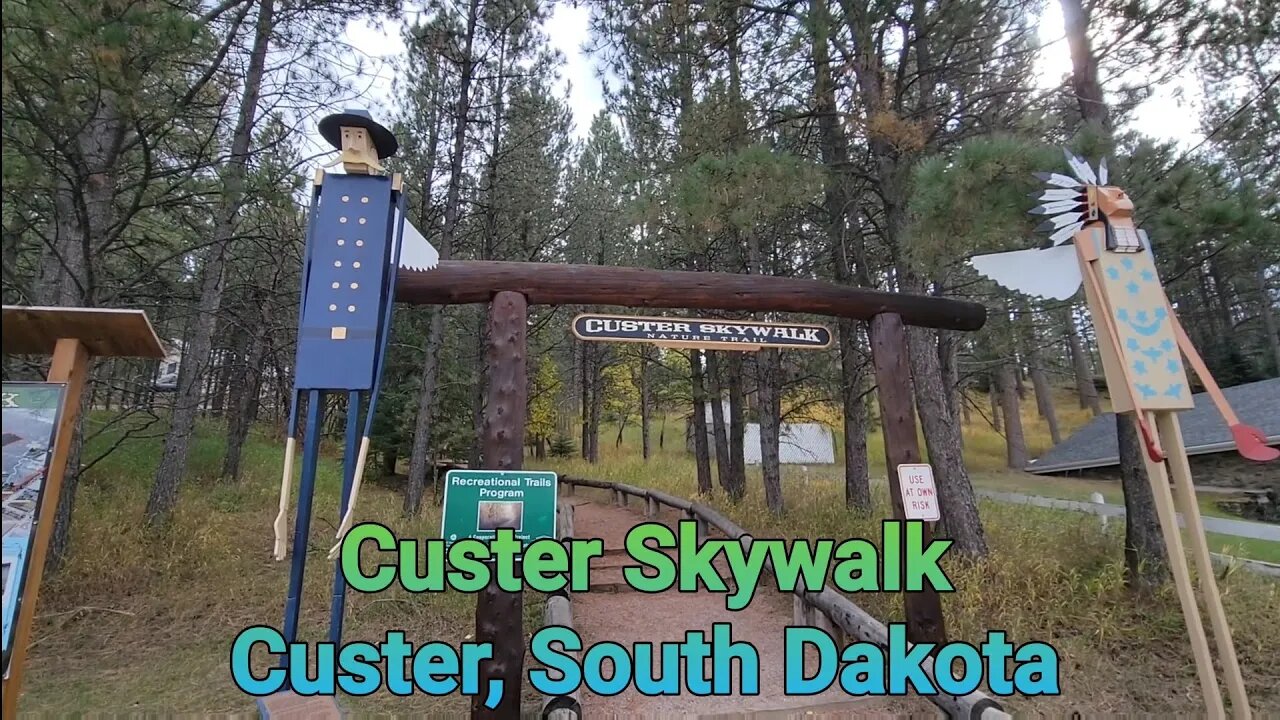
{"x":456,"y":282}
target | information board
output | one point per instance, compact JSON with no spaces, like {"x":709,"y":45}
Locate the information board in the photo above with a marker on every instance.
{"x":479,"y":502}
{"x":919,"y":494}
{"x":30,"y":421}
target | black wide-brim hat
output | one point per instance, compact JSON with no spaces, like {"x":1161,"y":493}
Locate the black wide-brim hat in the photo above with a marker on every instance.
{"x":383,"y":141}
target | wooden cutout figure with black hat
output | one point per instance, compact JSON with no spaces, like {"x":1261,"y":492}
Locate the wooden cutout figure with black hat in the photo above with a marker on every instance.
{"x":357,"y":239}
{"x":362,"y":141}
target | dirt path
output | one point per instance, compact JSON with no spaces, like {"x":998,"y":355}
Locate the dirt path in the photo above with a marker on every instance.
{"x":612,"y":611}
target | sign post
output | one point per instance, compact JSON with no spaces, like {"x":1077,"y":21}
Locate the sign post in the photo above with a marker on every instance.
{"x":71,"y":336}
{"x":500,"y":614}
{"x":902,"y":451}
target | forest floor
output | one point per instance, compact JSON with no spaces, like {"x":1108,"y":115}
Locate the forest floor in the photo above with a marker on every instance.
{"x":143,"y":621}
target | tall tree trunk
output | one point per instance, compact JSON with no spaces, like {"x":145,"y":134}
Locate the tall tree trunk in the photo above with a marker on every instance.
{"x":958,"y":503}
{"x":724,"y":465}
{"x":1139,"y":506}
{"x":420,"y":465}
{"x":227,"y":359}
{"x":420,"y":452}
{"x":1267,"y":312}
{"x":66,"y":276}
{"x":1014,"y":440}
{"x":993,"y":397}
{"x":597,"y":405}
{"x":892,"y":171}
{"x":191,"y":372}
{"x":479,"y":390}
{"x":1044,"y":398}
{"x":1081,"y":368}
{"x":701,"y":453}
{"x":1146,"y":564}
{"x":1084,"y":66}
{"x":947,"y":349}
{"x":585,"y":402}
{"x":768,"y":383}
{"x":245,"y":398}
{"x":646,"y":402}
{"x":737,"y":424}
{"x":835,"y":156}
{"x":857,"y":477}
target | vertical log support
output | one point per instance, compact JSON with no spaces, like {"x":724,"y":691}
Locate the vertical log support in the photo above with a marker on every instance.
{"x":500,"y":614}
{"x":901,"y":446}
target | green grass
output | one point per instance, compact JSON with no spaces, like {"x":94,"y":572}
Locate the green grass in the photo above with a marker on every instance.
{"x":1249,"y":548}
{"x":1052,"y":575}
{"x":143,"y":621}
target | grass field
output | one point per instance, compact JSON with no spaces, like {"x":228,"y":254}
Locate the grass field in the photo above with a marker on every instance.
{"x":143,"y":622}
{"x":140,"y":622}
{"x":1054,"y":576}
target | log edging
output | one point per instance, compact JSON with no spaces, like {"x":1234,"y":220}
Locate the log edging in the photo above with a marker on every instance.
{"x":836,"y":610}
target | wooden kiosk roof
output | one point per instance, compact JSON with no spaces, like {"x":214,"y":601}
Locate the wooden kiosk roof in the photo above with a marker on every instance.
{"x":105,"y":332}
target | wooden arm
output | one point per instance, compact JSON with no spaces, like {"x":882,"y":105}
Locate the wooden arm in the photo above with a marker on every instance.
{"x":1202,"y":372}
{"x":1251,"y":443}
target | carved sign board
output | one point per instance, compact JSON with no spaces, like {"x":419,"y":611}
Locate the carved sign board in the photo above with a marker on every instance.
{"x":711,"y":334}
{"x":919,"y":494}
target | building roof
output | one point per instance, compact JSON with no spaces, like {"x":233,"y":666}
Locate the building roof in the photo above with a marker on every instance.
{"x":1203,"y":429}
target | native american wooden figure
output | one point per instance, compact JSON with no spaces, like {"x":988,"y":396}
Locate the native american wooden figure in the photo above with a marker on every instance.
{"x":1093,"y":239}
{"x":356,"y":239}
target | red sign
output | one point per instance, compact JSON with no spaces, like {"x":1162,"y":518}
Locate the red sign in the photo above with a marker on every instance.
{"x":919,"y":494}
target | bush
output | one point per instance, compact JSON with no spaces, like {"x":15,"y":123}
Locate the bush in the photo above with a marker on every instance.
{"x":562,"y":447}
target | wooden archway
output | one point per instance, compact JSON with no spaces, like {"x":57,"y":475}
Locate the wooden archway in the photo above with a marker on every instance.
{"x":510,"y":287}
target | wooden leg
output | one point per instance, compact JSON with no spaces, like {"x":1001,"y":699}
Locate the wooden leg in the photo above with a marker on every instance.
{"x":1159,"y":480}
{"x":1184,"y":491}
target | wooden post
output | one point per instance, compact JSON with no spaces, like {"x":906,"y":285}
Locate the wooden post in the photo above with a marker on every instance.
{"x":500,"y":614}
{"x":901,"y":446}
{"x":70,"y":365}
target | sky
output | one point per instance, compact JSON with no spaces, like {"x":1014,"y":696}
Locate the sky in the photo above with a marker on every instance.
{"x":1161,"y":116}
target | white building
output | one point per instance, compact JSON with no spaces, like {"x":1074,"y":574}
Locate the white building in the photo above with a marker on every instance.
{"x":798,"y":443}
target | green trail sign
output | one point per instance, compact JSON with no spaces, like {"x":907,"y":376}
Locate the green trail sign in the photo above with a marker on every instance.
{"x":479,"y":502}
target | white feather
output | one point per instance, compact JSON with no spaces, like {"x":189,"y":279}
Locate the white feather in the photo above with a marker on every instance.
{"x":1053,"y":273}
{"x":1060,"y":180}
{"x":1081,"y":168}
{"x":1058,"y":206}
{"x":1065,"y":219}
{"x":1056,"y":194}
{"x":1066,"y":233}
{"x":415,"y":252}
{"x":1102,"y":172}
